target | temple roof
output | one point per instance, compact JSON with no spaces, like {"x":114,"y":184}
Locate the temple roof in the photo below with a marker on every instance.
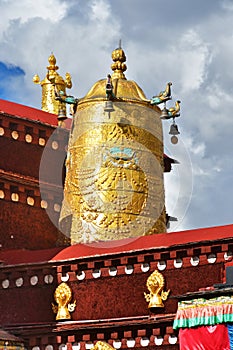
{"x":163,"y":240}
{"x":9,"y":337}
{"x":128,"y":245}
{"x":24,"y":256}
{"x":26,"y":112}
{"x":30,"y":113}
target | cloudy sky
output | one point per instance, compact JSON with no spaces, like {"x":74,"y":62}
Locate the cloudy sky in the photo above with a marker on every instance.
{"x":188,"y":42}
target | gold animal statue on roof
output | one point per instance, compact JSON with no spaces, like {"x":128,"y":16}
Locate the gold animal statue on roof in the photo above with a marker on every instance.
{"x":62,"y":296}
{"x":174,"y":111}
{"x":155,"y":284}
{"x":163,"y":96}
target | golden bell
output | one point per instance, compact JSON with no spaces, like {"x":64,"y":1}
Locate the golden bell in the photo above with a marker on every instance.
{"x":164,"y":114}
{"x":61,"y":117}
{"x":174,"y":129}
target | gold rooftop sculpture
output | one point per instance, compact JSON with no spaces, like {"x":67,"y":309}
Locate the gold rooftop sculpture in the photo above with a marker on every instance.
{"x":114,"y":185}
{"x":50,"y":84}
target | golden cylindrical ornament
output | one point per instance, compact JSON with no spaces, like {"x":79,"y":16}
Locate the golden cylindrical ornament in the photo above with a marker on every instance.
{"x":114,"y":184}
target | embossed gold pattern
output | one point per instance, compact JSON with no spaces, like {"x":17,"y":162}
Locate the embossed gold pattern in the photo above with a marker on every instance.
{"x":155,"y":284}
{"x":114,"y":183}
{"x":49,"y":103}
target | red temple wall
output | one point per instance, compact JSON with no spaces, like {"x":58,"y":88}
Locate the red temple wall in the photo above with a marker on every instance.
{"x":20,"y":157}
{"x":23,"y":226}
{"x":27,"y":303}
{"x":25,"y":158}
{"x":26,"y":306}
{"x":123,"y":296}
{"x":103,"y":298}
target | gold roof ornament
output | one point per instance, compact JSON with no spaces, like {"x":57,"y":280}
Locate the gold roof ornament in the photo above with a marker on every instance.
{"x":172,"y":112}
{"x":114,"y":185}
{"x":53,"y":81}
{"x":119,"y":66}
{"x":163,"y":96}
{"x":63,"y":307}
{"x":122,"y":89}
{"x":155,"y":284}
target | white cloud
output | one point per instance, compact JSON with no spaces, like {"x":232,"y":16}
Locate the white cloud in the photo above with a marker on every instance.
{"x":227,"y":5}
{"x":81,"y":47}
{"x":194,"y":56}
{"x":25,"y":10}
{"x":100,"y":10}
{"x":217,"y":97}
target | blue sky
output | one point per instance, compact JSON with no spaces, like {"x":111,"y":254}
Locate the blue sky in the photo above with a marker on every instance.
{"x":11,"y":74}
{"x":187,"y":42}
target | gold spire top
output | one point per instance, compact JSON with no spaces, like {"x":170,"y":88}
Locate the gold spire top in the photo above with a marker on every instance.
{"x":52,"y":63}
{"x":122,"y":88}
{"x":118,"y":66}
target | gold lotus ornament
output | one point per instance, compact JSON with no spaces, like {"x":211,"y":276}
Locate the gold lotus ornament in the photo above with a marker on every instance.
{"x":62,"y":296}
{"x":155,"y":284}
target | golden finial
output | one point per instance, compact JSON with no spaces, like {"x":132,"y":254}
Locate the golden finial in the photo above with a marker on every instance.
{"x":53,"y":81}
{"x":119,"y":65}
{"x":52,"y":63}
{"x":155,"y":284}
